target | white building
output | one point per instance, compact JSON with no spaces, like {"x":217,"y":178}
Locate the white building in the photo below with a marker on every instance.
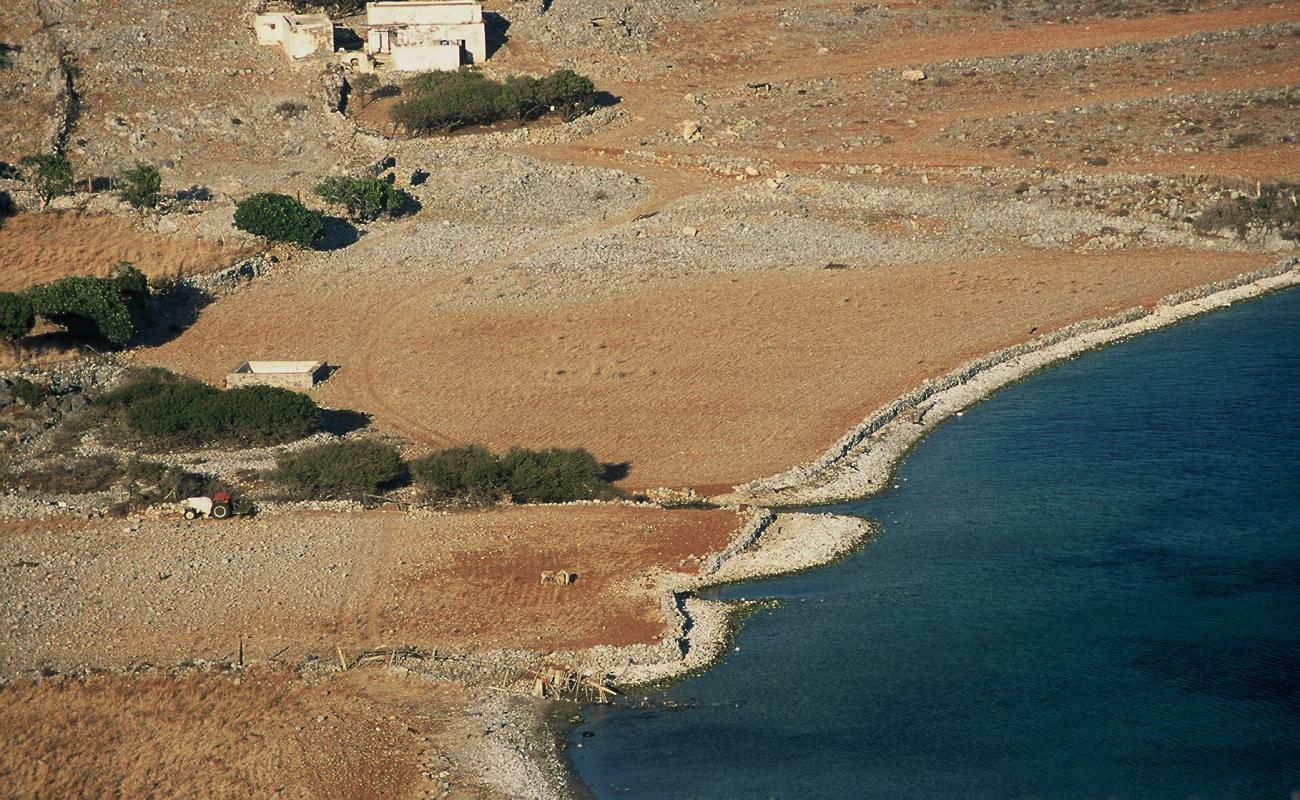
{"x":299,"y":35}
{"x":426,"y":34}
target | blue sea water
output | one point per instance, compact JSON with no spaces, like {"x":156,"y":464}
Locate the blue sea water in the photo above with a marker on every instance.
{"x":1088,"y":586}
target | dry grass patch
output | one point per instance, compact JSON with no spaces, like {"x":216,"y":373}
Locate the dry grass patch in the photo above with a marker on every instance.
{"x":40,"y":248}
{"x":215,"y":735}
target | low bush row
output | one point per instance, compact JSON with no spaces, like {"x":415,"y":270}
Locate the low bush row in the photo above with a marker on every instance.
{"x":50,"y":175}
{"x":467,"y":476}
{"x":445,"y":101}
{"x":148,"y":481}
{"x":472,"y":475}
{"x":171,"y":410}
{"x":347,"y":469}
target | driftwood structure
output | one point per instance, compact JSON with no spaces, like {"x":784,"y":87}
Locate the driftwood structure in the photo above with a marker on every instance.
{"x":562,"y":683}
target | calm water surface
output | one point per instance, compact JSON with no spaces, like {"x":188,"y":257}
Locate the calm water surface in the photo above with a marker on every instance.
{"x":1088,"y":586}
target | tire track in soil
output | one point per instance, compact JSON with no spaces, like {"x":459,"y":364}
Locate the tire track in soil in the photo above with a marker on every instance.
{"x":666,"y":186}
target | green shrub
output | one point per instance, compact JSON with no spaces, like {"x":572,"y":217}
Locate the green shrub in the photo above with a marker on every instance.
{"x":170,"y":409}
{"x":350,"y":469}
{"x":279,"y":218}
{"x":264,"y":413}
{"x":48,"y":175}
{"x":17,"y":318}
{"x":445,"y":101}
{"x":85,"y":305}
{"x":140,"y":384}
{"x":470,"y":474}
{"x":553,"y":476}
{"x":176,"y":411}
{"x":569,"y":94}
{"x":364,"y":198}
{"x":519,"y":98}
{"x":141,"y":185}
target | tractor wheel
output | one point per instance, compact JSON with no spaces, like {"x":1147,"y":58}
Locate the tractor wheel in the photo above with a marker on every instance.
{"x":190,"y":514}
{"x":220,"y":511}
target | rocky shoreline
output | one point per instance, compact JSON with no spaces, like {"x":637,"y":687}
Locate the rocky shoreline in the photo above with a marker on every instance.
{"x":862,"y":462}
{"x":859,"y":465}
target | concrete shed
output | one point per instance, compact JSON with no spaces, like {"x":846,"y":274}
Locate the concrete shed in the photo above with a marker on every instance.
{"x":285,"y":374}
{"x":299,"y":35}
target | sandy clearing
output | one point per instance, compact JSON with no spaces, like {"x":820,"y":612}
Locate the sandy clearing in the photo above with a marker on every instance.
{"x":702,"y":382}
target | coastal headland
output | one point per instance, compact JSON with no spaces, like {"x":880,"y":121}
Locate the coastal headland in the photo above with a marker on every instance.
{"x":751,"y":281}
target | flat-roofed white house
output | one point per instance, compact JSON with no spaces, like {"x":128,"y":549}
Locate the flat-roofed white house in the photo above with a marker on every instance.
{"x":426,"y":34}
{"x":299,"y":35}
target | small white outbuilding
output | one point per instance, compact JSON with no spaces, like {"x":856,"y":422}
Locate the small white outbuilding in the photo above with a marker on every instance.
{"x":420,"y":35}
{"x":299,"y":35}
{"x":285,"y":374}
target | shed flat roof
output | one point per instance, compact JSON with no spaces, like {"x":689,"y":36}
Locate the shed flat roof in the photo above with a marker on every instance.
{"x":279,"y":367}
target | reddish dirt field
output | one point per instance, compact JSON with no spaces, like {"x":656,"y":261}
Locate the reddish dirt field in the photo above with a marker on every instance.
{"x":710,"y":382}
{"x":43,"y":247}
{"x":262,"y":734}
{"x":292,"y":586}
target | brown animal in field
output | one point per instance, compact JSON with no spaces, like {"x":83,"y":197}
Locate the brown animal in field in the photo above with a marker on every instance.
{"x":561,"y":578}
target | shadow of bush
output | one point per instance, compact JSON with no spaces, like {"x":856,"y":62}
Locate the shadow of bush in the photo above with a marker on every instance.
{"x":338,"y":233}
{"x":173,"y":306}
{"x":342,"y":421}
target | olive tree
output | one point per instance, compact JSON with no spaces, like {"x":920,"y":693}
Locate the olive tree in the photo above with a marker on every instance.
{"x":141,"y":185}
{"x":48,"y":175}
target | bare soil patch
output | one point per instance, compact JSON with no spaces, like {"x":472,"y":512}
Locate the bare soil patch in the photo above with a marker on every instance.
{"x":292,"y":586}
{"x":567,"y":304}
{"x":707,"y":382}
